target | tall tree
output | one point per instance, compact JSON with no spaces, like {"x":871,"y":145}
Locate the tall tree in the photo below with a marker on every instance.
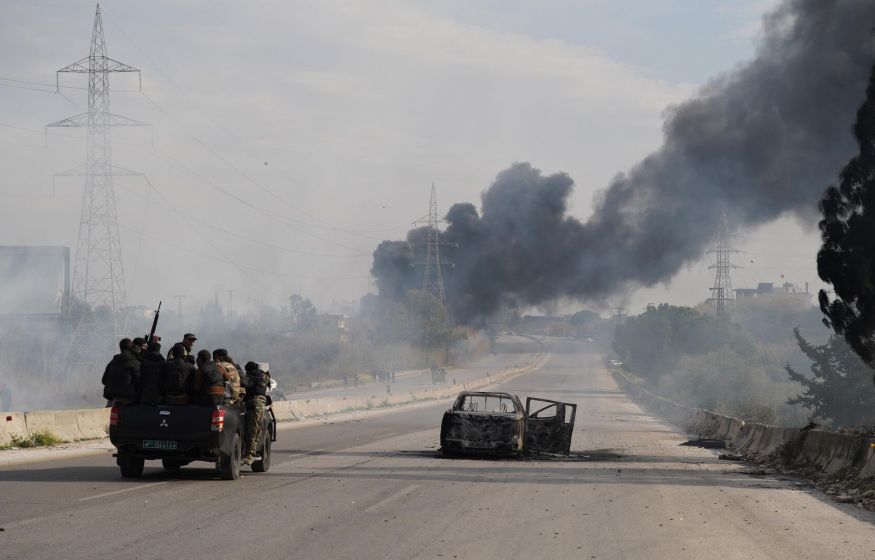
{"x":847,"y":258}
{"x":839,"y":390}
{"x":302,"y":312}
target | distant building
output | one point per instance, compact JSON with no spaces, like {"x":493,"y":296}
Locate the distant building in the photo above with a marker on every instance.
{"x":332,"y":323}
{"x":762,"y":289}
{"x":768,"y":289}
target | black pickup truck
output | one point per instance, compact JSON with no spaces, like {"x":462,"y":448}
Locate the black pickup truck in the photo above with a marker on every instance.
{"x":178,"y":434}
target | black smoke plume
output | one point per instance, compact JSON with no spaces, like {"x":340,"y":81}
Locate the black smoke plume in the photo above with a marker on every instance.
{"x":758,"y":143}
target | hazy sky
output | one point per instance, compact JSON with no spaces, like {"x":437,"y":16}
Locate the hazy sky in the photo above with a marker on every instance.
{"x":330,"y":120}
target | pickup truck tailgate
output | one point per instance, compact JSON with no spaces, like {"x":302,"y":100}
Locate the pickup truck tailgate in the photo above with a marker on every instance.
{"x":171,"y":427}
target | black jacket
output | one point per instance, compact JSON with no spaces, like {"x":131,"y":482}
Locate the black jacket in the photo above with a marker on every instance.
{"x":209,"y":385}
{"x":152,"y":374}
{"x":121,"y":379}
{"x":256,"y":383}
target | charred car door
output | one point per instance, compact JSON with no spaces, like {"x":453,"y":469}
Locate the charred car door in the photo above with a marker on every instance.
{"x":548,"y":426}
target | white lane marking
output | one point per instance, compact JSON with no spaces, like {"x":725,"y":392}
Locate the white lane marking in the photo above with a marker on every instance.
{"x":399,"y":494}
{"x":113,"y":493}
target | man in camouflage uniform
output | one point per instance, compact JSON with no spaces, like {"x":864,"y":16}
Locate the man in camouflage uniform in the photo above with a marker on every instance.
{"x":256,"y":382}
{"x":232,"y":375}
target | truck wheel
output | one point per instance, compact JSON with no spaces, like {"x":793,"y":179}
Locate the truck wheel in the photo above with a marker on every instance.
{"x":229,"y":467}
{"x":173,"y":464}
{"x":264,"y":464}
{"x":131,"y":467}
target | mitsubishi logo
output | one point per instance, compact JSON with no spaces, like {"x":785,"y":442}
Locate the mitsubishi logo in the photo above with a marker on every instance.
{"x":163,"y":423}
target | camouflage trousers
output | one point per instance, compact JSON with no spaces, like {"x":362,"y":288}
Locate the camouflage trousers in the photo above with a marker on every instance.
{"x":254,"y":416}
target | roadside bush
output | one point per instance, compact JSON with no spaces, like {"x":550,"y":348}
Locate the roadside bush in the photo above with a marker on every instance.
{"x":39,"y":439}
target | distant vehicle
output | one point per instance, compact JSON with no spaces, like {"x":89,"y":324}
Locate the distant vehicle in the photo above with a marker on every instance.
{"x":178,"y":434}
{"x":615,"y":364}
{"x":490,"y":422}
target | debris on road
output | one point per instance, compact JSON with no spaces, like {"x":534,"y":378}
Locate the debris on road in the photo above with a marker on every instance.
{"x":706,"y":443}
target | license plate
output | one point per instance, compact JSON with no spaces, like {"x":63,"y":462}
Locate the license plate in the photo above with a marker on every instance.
{"x":158,"y":444}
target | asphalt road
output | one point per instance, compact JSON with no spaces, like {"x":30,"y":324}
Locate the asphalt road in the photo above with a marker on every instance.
{"x":374,"y":489}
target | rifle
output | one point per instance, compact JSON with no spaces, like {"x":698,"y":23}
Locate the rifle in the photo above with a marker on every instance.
{"x":151,"y":336}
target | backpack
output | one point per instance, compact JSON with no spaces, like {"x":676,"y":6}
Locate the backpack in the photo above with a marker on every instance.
{"x":258,"y":382}
{"x":232,"y":380}
{"x":152,"y":375}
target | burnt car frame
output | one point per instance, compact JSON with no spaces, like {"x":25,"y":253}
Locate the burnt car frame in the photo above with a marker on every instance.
{"x":482,"y":422}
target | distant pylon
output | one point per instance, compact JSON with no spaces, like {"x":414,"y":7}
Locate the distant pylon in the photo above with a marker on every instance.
{"x":433,"y":278}
{"x":98,"y":272}
{"x":722,"y":294}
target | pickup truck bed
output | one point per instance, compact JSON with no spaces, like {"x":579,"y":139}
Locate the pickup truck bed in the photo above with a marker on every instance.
{"x":180,"y":434}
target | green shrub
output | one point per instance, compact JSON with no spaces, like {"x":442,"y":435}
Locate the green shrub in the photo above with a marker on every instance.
{"x":39,"y":439}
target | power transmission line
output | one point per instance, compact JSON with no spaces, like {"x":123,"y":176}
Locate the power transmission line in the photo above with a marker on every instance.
{"x":326,"y":224}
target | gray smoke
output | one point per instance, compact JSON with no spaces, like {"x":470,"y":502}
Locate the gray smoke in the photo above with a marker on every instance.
{"x":757,"y":143}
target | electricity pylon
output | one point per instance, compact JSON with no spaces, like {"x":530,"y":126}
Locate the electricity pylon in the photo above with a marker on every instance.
{"x":98,"y":272}
{"x":433,"y":278}
{"x":721,"y":293}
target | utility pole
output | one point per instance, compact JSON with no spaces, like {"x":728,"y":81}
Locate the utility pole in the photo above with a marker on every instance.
{"x":230,"y":301}
{"x":721,"y":294}
{"x":98,"y":272}
{"x":179,"y":299}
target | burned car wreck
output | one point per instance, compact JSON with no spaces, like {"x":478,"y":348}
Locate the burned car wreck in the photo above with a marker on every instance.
{"x":497,"y":423}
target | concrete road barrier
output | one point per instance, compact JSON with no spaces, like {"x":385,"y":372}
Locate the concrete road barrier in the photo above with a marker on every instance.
{"x":11,"y":424}
{"x":827,"y":452}
{"x":93,"y":423}
{"x":61,"y":423}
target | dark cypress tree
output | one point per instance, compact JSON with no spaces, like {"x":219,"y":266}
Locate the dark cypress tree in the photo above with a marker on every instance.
{"x":847,"y":258}
{"x":839,"y":390}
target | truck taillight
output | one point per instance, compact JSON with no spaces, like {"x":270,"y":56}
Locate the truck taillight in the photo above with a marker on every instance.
{"x":218,"y":419}
{"x":113,"y":416}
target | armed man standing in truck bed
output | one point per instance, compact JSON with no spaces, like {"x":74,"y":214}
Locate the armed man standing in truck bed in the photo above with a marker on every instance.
{"x":188,"y":340}
{"x":256,"y":382}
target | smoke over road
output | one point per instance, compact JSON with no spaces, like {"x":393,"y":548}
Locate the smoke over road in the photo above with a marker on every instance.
{"x":759,"y":142}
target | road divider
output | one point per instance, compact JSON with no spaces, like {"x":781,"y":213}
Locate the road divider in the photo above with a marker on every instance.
{"x":77,"y":425}
{"x":826,"y":452}
{"x":300,"y":409}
